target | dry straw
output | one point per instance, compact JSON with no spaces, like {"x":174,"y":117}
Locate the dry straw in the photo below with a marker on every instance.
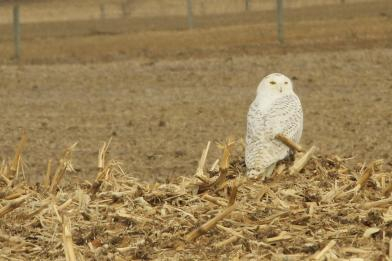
{"x":313,"y":208}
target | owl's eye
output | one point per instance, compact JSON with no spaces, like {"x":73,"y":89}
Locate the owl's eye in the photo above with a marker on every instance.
{"x":285,"y":82}
{"x":272,"y":82}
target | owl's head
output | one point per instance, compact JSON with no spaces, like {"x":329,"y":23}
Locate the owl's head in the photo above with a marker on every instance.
{"x":275,"y":83}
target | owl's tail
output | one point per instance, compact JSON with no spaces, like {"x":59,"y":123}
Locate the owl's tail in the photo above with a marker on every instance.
{"x":268,"y":171}
{"x":261,"y":174}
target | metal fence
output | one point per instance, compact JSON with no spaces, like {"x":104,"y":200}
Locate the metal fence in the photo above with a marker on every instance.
{"x":190,"y":12}
{"x":44,"y":11}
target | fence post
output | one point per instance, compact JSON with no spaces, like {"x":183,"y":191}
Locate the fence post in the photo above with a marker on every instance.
{"x":247,"y":2}
{"x":279,"y":22}
{"x":16,"y":31}
{"x":102,"y":11}
{"x":124,"y":8}
{"x":190,"y":14}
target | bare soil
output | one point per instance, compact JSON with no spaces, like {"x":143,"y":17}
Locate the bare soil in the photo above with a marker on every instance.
{"x":161,"y":114}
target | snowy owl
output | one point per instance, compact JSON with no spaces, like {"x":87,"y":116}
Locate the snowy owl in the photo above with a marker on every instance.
{"x":276,"y":110}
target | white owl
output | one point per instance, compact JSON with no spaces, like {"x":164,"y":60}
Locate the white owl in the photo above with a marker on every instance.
{"x":276,"y":109}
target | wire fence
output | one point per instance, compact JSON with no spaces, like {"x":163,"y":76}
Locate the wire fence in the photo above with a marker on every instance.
{"x":44,"y":11}
{"x":81,"y":17}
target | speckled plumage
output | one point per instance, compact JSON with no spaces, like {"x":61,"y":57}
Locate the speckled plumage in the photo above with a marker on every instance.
{"x":276,"y":109}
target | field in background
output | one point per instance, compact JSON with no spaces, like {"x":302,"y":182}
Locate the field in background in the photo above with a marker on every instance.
{"x":54,"y":10}
{"x":343,"y":26}
{"x":163,"y":91}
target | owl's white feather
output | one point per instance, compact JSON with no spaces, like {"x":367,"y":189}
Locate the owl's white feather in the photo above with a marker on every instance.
{"x":276,"y":109}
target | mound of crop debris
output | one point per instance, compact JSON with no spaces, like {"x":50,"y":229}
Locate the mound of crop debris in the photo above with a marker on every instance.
{"x":313,"y":207}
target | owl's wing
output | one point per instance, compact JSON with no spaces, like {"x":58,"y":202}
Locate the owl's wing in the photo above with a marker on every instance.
{"x":256,"y":123}
{"x":258,"y":141}
{"x":283,"y":116}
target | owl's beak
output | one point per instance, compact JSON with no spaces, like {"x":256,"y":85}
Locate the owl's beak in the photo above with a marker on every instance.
{"x":280,"y":89}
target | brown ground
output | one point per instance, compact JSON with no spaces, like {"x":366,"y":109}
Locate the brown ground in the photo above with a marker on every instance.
{"x":162,"y":94}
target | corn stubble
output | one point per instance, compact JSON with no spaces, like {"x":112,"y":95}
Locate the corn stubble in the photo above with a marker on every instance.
{"x":313,"y":207}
